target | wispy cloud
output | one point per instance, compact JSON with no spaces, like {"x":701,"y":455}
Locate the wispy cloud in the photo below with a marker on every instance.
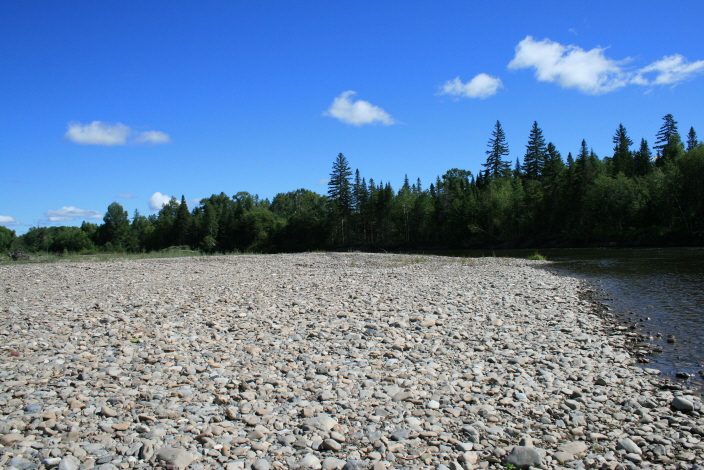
{"x":103,"y":133}
{"x":125,"y":196}
{"x":68,"y":213}
{"x":152,"y":137}
{"x":8,"y":221}
{"x":157,"y":201}
{"x":323,"y":181}
{"x":357,"y":113}
{"x":592,"y":72}
{"x":481,"y":86}
{"x":669,"y":70}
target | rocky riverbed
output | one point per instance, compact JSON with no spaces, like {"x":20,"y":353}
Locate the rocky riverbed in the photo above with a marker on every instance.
{"x":354,"y":361}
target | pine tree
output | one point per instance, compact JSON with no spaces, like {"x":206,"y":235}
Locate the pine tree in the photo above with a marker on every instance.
{"x":339,"y":188}
{"x":536,"y":154}
{"x":691,"y":139}
{"x":183,"y":221}
{"x":669,"y":143}
{"x":642,"y":159}
{"x":498,"y":148}
{"x":622,"y":159}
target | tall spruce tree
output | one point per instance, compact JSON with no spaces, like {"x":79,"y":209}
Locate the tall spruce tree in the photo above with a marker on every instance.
{"x":536,"y":154}
{"x":642,"y":159}
{"x":183,"y":221}
{"x":669,"y":143}
{"x":622,"y":159}
{"x":691,"y":139}
{"x":339,"y":187}
{"x":498,"y":148}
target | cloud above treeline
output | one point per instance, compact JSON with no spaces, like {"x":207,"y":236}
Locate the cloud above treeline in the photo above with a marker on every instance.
{"x":481,"y":86}
{"x":107,"y":134}
{"x":7,"y":221}
{"x":125,"y":196}
{"x":592,"y":72}
{"x":157,"y":201}
{"x":68,"y":213}
{"x":357,"y":113}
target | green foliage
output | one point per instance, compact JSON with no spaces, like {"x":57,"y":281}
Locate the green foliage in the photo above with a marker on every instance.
{"x":536,"y":154}
{"x":7,"y":237}
{"x":537,"y":257}
{"x":498,"y":148}
{"x":546,"y":201}
{"x":669,"y":144}
{"x":116,"y":224}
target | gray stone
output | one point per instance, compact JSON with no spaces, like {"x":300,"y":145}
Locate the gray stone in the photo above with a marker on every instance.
{"x":629,"y":446}
{"x":175,"y":456}
{"x":69,"y":463}
{"x":524,"y":457}
{"x":682,"y":404}
{"x":331,"y":463}
{"x":575,"y":447}
{"x":261,"y":464}
{"x":355,"y":465}
{"x":309,"y":461}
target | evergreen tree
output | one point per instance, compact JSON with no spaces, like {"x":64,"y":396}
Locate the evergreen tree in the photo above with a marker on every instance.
{"x":517,"y":169}
{"x":669,"y":141}
{"x":183,"y":221}
{"x":642,"y":159}
{"x":340,"y":197}
{"x":339,"y":187}
{"x":498,"y":148}
{"x":691,"y":139}
{"x":622,"y":159}
{"x":536,"y":154}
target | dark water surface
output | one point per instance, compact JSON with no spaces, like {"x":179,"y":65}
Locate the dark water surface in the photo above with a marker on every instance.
{"x":660,"y":290}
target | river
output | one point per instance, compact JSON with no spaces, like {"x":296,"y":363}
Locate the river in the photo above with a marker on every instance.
{"x":660,"y":291}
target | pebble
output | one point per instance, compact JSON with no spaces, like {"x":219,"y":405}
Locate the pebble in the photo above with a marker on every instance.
{"x":325,"y":360}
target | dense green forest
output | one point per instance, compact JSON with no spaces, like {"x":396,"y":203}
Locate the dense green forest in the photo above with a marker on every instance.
{"x":636,"y":196}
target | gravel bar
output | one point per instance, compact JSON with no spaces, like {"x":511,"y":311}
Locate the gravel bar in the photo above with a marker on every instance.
{"x":325,"y":360}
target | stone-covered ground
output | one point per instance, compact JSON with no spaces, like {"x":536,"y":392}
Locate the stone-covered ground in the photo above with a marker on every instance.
{"x":324,"y":361}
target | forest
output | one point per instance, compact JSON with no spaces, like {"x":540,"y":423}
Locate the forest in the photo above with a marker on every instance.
{"x":637,"y":196}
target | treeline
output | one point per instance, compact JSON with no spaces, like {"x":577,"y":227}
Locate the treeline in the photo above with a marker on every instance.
{"x":637,"y":195}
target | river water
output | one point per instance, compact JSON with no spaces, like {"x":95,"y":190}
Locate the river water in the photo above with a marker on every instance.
{"x":660,"y":291}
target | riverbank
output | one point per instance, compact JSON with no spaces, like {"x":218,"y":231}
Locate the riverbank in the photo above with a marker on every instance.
{"x":324,"y":360}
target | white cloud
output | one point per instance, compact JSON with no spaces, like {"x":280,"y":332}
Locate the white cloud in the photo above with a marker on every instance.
{"x":196,"y":202}
{"x":103,"y":133}
{"x":669,"y":70}
{"x":152,"y":137}
{"x":67,"y":213}
{"x":8,"y":221}
{"x":157,"y":201}
{"x":590,"y":72}
{"x":481,"y":86}
{"x":357,"y":112}
{"x":323,"y":181}
{"x":125,"y":196}
{"x":97,"y":133}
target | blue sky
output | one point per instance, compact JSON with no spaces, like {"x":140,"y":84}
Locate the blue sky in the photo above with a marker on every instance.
{"x":135,"y":102}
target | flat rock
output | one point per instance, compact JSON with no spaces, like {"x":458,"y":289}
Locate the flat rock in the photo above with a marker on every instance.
{"x":523,"y":457}
{"x":177,"y":457}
